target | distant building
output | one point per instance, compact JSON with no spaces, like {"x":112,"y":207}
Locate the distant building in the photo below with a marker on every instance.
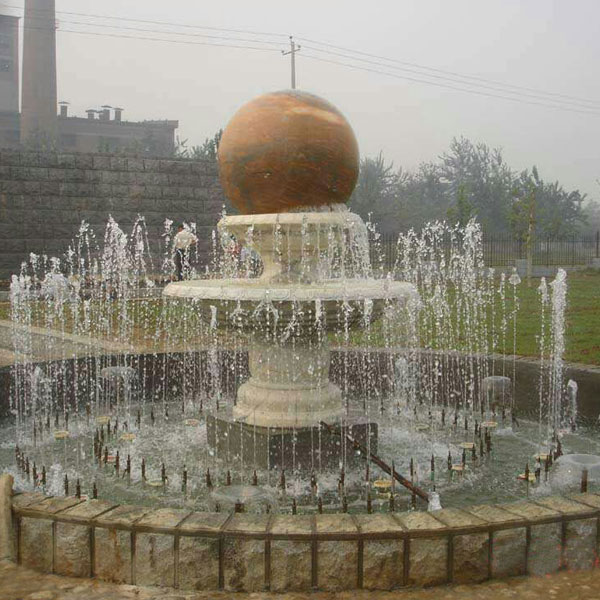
{"x":103,"y":132}
{"x":38,"y":122}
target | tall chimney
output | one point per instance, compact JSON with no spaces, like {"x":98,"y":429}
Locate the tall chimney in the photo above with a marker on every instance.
{"x":38,"y":103}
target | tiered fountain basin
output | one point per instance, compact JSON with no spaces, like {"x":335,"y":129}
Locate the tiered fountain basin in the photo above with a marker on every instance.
{"x":287,"y":314}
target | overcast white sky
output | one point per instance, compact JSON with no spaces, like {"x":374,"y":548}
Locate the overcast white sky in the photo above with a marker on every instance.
{"x":545,"y":44}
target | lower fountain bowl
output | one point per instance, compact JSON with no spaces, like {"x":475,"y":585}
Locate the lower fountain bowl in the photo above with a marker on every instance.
{"x":298,"y":448}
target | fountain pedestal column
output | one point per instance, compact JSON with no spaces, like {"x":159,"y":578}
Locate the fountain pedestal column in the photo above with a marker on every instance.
{"x":289,"y":385}
{"x":276,"y":420}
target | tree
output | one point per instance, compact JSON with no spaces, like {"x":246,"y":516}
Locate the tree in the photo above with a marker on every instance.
{"x":561,"y":212}
{"x":591,"y":214}
{"x":469,"y":179}
{"x":557,"y":212}
{"x":148,"y":144}
{"x":209,"y":149}
{"x":375,"y":192}
{"x":40,"y":141}
{"x":462,"y":211}
{"x":422,"y":197}
{"x":523,"y":213}
{"x":521,"y":216}
{"x":478,"y":176}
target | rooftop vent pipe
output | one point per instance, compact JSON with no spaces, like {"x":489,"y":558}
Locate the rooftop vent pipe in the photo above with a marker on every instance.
{"x":105,"y":113}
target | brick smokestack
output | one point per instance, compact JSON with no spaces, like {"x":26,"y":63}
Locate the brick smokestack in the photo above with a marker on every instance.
{"x":38,"y":103}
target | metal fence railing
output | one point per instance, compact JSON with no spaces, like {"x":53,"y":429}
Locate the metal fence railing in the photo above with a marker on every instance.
{"x":503,"y":249}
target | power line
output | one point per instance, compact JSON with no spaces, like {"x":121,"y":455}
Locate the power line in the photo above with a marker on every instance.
{"x":202,"y":35}
{"x":178,"y":33}
{"x":150,"y":22}
{"x":591,"y":111}
{"x":451,"y":87}
{"x":559,"y":101}
{"x":453,"y":80}
{"x":453,"y":73}
{"x":154,"y":39}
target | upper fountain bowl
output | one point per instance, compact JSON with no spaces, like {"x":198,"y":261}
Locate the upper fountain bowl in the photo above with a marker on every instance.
{"x":285,"y":150}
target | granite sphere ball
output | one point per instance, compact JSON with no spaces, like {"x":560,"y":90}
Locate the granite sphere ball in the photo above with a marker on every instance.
{"x":286,"y":150}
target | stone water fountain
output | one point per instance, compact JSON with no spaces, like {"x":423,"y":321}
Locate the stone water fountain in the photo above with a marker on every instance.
{"x":298,"y":386}
{"x":289,"y":162}
{"x":178,"y":441}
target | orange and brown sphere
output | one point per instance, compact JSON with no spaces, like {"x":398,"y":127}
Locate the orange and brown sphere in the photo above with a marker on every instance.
{"x":287,"y":149}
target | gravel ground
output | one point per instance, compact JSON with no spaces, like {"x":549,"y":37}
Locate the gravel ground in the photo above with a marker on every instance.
{"x":17,"y":583}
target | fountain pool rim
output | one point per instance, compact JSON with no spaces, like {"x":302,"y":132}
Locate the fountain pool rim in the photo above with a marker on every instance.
{"x":358,"y":538}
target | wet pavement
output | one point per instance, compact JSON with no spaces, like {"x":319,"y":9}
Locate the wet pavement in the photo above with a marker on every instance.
{"x":18,"y":583}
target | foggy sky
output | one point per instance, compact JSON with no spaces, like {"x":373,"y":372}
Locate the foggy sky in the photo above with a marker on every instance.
{"x":550,"y":45}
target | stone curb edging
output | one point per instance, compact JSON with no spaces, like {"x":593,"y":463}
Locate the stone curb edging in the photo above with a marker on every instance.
{"x":7,"y":542}
{"x":81,"y":340}
{"x":245,"y":552}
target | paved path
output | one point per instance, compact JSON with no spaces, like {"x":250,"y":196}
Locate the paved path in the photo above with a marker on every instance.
{"x":49,"y":344}
{"x":18,"y":583}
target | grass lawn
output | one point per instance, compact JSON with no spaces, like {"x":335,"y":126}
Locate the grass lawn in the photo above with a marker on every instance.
{"x":583,"y":319}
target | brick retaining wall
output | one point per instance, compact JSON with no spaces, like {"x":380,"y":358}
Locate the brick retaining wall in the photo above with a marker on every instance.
{"x":45,"y":196}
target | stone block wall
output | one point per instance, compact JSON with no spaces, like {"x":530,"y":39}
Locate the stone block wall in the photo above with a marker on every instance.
{"x":45,"y":196}
{"x":252,"y":553}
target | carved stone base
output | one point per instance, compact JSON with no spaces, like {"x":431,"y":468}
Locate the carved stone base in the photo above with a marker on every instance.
{"x":287,"y":406}
{"x":304,"y":448}
{"x":289,"y":385}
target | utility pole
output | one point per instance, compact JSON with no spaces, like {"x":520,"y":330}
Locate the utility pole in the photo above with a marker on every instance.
{"x":292,"y":52}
